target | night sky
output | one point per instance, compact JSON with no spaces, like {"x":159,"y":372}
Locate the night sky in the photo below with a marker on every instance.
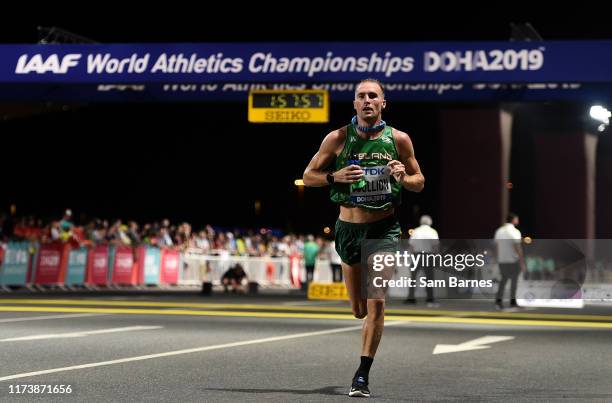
{"x":203,"y":162}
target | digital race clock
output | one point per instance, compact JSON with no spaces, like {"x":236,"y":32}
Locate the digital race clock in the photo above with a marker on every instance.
{"x":288,"y":106}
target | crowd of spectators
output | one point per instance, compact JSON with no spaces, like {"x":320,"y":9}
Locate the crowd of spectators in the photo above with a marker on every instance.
{"x":208,"y":239}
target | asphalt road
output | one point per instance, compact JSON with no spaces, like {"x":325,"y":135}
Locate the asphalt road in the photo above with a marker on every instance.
{"x":181,"y":347}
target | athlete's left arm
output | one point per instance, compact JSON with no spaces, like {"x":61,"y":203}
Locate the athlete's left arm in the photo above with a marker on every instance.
{"x":406,"y":170}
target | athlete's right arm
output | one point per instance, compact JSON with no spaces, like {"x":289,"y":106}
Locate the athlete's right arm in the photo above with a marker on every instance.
{"x":318,"y":168}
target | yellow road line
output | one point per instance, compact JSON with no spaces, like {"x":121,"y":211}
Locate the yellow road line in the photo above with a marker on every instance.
{"x":297,"y":315}
{"x":301,"y":308}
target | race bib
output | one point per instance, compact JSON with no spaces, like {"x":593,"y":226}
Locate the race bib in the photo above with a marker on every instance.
{"x":374,"y":187}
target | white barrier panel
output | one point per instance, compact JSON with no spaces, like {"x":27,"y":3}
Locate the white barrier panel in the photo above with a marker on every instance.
{"x":267,"y":271}
{"x":199,"y":268}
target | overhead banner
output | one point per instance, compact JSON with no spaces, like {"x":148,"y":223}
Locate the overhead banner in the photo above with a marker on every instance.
{"x":397,"y":62}
{"x":239,"y":92}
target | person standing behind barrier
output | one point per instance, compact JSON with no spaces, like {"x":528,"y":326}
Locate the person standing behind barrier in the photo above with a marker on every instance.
{"x":164,"y":238}
{"x":509,"y":257}
{"x":311,"y":250}
{"x":424,"y":239}
{"x":335,"y":261}
{"x":66,"y":223}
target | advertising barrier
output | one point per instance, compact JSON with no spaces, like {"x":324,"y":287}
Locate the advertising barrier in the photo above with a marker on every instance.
{"x":51,"y":264}
{"x":15,"y":264}
{"x":124,"y":270}
{"x":77,"y":265}
{"x":149,"y":260}
{"x":169,"y":269}
{"x":97,"y":265}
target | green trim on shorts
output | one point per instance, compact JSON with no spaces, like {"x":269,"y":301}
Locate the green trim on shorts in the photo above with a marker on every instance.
{"x":349,"y":237}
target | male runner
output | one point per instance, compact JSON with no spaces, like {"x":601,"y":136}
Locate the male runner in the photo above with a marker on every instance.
{"x":367,"y":194}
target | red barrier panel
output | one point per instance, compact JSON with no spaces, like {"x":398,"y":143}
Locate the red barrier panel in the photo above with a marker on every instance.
{"x":51,"y":263}
{"x":169,"y":266}
{"x":30,"y":268}
{"x":294,"y":267}
{"x":141,"y":253}
{"x":123,"y":266}
{"x":97,"y":266}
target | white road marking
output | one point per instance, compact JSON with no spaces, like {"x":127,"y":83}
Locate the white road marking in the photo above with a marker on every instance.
{"x":476,"y":344}
{"x":81,"y":334}
{"x":75,"y":315}
{"x":188,"y":351}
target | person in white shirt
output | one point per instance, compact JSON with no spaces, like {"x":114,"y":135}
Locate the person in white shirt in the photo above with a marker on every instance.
{"x":509,"y":257}
{"x":424,"y":239}
{"x":335,"y":261}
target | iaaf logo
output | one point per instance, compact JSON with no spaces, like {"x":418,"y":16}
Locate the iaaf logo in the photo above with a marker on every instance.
{"x":52,"y":64}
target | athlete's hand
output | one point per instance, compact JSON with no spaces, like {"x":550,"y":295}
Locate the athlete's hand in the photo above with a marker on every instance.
{"x":398,"y":170}
{"x":349,"y":174}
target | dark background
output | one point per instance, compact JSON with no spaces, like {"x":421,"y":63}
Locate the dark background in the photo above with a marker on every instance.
{"x":203,"y":162}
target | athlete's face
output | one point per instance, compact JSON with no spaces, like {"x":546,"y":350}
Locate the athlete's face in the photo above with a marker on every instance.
{"x":369,"y":101}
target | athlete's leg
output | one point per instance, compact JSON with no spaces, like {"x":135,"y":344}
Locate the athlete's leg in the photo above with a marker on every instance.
{"x":373,"y":327}
{"x":352,"y":280}
{"x":359,"y":305}
{"x":373,"y":308}
{"x":374,"y":323}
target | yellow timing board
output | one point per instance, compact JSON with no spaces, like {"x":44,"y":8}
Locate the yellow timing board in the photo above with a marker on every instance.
{"x":288,"y":106}
{"x":333,"y":291}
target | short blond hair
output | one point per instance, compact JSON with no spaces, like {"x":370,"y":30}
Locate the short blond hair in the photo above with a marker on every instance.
{"x":371,"y":80}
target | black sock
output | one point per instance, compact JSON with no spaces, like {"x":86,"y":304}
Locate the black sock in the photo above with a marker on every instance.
{"x":364,"y":367}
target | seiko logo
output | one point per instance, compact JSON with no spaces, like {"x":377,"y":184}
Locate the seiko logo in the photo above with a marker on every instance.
{"x":36,"y":64}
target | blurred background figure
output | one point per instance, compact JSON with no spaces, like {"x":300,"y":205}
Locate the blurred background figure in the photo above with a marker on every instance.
{"x":335,"y":261}
{"x":509,"y":257}
{"x":311,"y":250}
{"x":235,"y":280}
{"x":424,"y":239}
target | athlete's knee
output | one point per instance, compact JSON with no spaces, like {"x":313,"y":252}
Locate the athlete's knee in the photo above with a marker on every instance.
{"x":359,"y":312}
{"x":376,"y":309}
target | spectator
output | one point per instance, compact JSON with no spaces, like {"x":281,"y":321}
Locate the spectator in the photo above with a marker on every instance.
{"x":509,"y":257}
{"x":235,"y":278}
{"x":66,"y":223}
{"x":133,"y":234}
{"x":424,"y":239}
{"x":311,"y":250}
{"x":335,"y":261}
{"x":55,"y":231}
{"x":164,"y":239}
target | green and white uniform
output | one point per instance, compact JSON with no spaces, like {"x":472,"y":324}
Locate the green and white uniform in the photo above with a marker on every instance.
{"x":377,"y":191}
{"x":380,"y":191}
